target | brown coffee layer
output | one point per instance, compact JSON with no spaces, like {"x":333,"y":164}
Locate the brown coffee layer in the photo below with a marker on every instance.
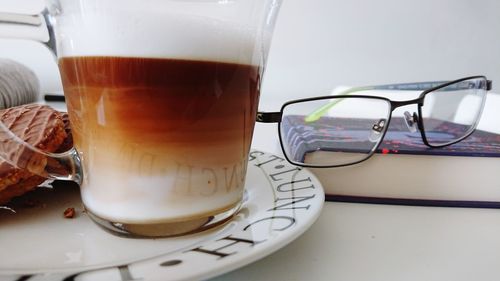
{"x":160,"y":108}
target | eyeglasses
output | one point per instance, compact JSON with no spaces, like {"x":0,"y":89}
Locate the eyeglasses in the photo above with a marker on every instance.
{"x":345,"y":129}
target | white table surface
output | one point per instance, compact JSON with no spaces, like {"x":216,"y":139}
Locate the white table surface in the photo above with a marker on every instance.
{"x":379,"y":242}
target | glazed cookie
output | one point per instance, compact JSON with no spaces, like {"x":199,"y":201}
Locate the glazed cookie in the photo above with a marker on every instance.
{"x":38,"y":125}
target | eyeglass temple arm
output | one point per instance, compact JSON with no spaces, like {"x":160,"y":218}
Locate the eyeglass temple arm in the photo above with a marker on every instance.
{"x":316,"y":114}
{"x":418,"y":86}
{"x":422,"y":86}
{"x":275,"y":117}
{"x":268,"y":117}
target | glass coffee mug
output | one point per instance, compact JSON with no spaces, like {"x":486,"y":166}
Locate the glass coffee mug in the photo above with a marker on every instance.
{"x":162,"y":97}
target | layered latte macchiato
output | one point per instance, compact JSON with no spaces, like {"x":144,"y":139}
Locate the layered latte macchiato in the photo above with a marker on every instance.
{"x":162,"y":98}
{"x":166,"y":139}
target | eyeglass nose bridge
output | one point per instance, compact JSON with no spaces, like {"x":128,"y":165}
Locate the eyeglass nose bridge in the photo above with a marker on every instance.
{"x":396,"y":104}
{"x":377,"y":131}
{"x":411,"y":121}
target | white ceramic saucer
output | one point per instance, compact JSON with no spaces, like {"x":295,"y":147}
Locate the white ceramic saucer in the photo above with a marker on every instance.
{"x":38,"y":243}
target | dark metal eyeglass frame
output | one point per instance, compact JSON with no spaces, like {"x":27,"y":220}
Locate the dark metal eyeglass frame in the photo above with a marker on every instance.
{"x":426,"y":87}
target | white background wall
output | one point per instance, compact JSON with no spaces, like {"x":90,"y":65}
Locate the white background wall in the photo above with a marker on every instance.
{"x":320,"y":44}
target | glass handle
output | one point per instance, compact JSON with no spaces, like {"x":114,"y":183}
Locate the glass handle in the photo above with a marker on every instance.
{"x":63,"y":166}
{"x":29,"y":27}
{"x":33,"y":20}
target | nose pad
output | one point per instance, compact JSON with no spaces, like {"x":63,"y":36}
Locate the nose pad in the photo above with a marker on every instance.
{"x":411,"y":121}
{"x":377,"y":130}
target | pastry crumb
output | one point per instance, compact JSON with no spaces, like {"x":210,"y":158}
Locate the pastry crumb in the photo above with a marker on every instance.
{"x":69,"y":213}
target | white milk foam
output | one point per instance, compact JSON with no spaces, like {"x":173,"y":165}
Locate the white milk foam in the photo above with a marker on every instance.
{"x":173,"y":29}
{"x":139,"y":199}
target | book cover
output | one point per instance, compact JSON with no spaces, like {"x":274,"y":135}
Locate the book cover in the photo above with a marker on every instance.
{"x":404,"y":170}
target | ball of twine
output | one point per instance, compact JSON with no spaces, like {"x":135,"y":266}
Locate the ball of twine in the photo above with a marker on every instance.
{"x":18,"y":84}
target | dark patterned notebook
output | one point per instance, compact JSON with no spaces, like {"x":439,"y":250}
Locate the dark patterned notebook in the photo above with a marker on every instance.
{"x":404,"y":170}
{"x":398,"y":139}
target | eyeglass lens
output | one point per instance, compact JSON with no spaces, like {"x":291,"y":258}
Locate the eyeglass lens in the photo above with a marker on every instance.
{"x":452,"y":112}
{"x":347,"y":132}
